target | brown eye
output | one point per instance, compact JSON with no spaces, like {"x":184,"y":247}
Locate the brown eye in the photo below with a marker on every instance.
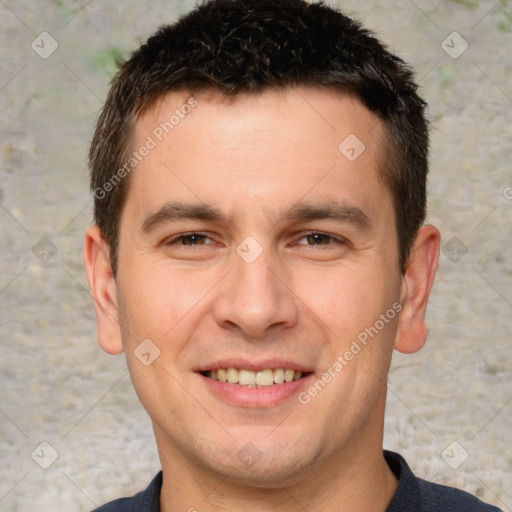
{"x":194,"y":239}
{"x":190,"y":240}
{"x":318,"y":239}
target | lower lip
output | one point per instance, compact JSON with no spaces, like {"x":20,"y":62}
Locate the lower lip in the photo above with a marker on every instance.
{"x":242,"y":396}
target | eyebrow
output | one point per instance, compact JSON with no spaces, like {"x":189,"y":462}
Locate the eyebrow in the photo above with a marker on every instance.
{"x":177,"y":210}
{"x":340,"y":211}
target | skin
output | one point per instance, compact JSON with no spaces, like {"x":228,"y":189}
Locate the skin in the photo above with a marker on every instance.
{"x":304,"y":299}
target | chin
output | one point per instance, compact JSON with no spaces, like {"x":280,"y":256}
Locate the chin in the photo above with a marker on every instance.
{"x":262,"y":476}
{"x":267,"y":467}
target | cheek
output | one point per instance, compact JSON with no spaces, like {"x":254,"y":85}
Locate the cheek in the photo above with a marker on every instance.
{"x":349,"y":301}
{"x":340,"y":294}
{"x":158,"y":298}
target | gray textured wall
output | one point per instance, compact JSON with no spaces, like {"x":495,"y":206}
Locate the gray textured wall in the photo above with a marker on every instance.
{"x":450,"y":405}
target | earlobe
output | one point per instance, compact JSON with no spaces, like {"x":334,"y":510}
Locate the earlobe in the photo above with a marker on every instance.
{"x":416,"y":285}
{"x":103,"y":290}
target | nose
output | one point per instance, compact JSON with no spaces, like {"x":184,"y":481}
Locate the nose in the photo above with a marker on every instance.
{"x":255,"y":298}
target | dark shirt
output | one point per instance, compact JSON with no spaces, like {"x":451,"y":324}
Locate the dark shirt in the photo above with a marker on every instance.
{"x":412,"y":495}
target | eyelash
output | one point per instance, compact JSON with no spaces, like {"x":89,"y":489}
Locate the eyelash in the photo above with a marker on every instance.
{"x":175,"y":240}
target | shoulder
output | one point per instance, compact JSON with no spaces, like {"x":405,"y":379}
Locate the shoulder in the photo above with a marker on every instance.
{"x":449,"y":499}
{"x":144,"y":501}
{"x":421,"y":496}
{"x":120,"y":505}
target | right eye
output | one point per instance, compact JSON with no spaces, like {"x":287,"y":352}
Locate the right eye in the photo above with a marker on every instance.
{"x":189,"y":239}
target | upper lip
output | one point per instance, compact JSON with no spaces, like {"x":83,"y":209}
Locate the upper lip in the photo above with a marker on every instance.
{"x":254,"y":365}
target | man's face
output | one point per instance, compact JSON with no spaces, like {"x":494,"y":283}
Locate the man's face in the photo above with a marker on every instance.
{"x":249,"y":240}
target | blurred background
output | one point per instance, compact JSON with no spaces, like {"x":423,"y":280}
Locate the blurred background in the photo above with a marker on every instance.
{"x":72,"y":432}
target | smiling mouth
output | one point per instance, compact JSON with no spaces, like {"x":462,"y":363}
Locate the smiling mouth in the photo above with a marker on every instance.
{"x":255,"y":379}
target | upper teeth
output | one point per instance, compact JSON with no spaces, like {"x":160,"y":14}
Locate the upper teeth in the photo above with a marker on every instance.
{"x":250,"y":378}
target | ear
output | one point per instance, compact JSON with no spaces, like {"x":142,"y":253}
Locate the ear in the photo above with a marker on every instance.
{"x":103,"y":289}
{"x":416,"y":285}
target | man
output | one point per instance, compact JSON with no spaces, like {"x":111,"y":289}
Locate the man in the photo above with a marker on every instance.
{"x":259,"y":173}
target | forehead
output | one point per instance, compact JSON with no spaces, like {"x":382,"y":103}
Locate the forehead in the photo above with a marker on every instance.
{"x":263,"y":150}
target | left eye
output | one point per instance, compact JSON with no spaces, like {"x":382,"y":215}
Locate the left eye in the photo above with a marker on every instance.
{"x":317,"y":239}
